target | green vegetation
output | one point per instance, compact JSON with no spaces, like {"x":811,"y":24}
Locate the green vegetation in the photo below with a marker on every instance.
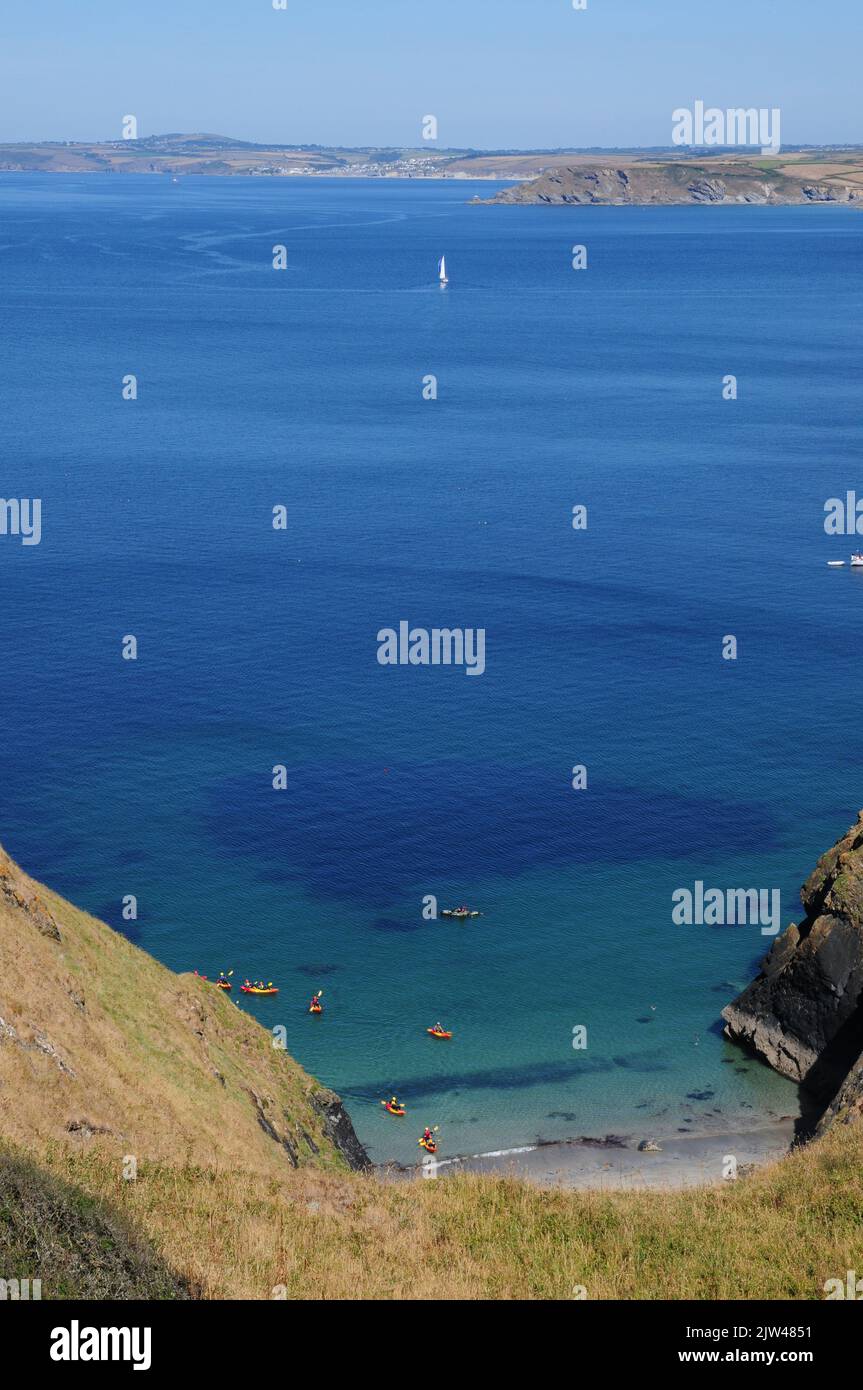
{"x":73,"y":1242}
{"x":112,"y":1055}
{"x":780,"y":1233}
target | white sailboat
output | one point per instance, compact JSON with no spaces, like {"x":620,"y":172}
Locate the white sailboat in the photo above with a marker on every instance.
{"x":443,"y":275}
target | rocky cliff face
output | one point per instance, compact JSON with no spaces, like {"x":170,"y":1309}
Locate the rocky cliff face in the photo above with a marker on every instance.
{"x":804,"y":1012}
{"x":339,"y":1129}
{"x":18,"y":893}
{"x":643,"y":183}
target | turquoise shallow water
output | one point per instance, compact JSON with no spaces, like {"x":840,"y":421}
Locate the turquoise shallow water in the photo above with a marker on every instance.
{"x":258,"y":647}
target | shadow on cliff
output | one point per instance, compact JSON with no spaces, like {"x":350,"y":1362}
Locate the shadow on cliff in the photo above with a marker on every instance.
{"x":823,"y":1081}
{"x":821,"y":1084}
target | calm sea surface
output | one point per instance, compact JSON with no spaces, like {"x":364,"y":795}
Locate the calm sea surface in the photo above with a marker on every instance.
{"x":257,"y":647}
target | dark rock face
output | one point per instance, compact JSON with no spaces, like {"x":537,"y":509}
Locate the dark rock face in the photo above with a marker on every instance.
{"x":820,"y":193}
{"x":803,"y":1012}
{"x":847,"y":1105}
{"x":587,"y":186}
{"x":707,"y":190}
{"x":339,"y":1129}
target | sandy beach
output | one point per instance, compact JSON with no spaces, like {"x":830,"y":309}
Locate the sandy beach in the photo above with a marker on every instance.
{"x":683,"y":1161}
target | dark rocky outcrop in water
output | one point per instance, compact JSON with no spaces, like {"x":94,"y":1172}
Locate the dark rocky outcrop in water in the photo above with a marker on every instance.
{"x":803,"y":1013}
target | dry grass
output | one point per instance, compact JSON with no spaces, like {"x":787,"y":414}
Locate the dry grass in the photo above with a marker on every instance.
{"x":76,"y":1244}
{"x":778,"y":1234}
{"x":165,"y":1064}
{"x":219,"y":1207}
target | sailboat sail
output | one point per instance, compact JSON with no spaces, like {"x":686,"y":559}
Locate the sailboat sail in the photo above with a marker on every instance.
{"x":443,"y":278}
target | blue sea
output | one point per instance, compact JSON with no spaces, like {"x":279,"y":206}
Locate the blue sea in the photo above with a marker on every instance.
{"x":257,"y":647}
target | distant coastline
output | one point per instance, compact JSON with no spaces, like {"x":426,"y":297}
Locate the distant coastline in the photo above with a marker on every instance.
{"x":768,"y":181}
{"x":557,"y":176}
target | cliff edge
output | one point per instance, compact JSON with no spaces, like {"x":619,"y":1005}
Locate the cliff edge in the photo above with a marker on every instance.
{"x":102,"y":1047}
{"x":803,"y":1014}
{"x":642,"y":184}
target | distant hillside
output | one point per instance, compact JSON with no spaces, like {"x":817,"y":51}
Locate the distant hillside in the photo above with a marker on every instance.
{"x":640,"y":183}
{"x":637,"y":176}
{"x":178,"y":154}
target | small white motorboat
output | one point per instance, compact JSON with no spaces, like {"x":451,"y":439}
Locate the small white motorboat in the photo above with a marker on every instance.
{"x":836,"y":564}
{"x":857,"y":561}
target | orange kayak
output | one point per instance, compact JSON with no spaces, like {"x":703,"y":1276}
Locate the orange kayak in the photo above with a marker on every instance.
{"x":392,"y":1109}
{"x":316,"y":1008}
{"x":252,"y":989}
{"x":223,"y":984}
{"x":428,"y":1144}
{"x":438,"y":1034}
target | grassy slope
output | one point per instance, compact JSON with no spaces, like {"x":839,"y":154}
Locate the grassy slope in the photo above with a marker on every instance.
{"x":220,"y":1204}
{"x":778,"y":1234}
{"x":76,"y":1244}
{"x":164,"y":1064}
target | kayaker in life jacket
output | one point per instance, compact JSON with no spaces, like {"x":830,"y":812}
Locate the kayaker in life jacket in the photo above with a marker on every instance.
{"x":396,"y":1104}
{"x":316,"y":1003}
{"x":428,"y":1137}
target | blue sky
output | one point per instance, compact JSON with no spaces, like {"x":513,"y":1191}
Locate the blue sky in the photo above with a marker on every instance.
{"x":496,"y":73}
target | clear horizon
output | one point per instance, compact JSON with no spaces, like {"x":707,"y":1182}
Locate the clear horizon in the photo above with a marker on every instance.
{"x":499,"y":74}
